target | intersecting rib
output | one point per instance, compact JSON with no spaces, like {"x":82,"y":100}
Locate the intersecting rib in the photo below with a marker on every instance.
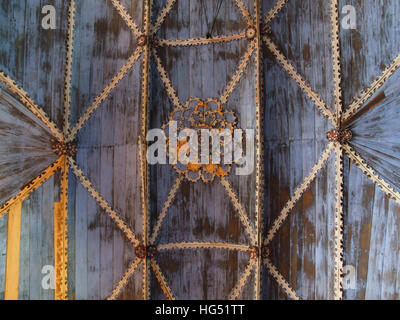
{"x":161,"y":17}
{"x":370,"y":173}
{"x":167,"y":204}
{"x":238,"y":74}
{"x":166,"y":81}
{"x":280,"y":280}
{"x":298,"y":193}
{"x":242,"y":281}
{"x":161,"y":280}
{"x":124,"y":281}
{"x":32,"y":106}
{"x":378,"y":83}
{"x":244,"y":11}
{"x":103,"y":203}
{"x":105,"y":93}
{"x":33,"y":185}
{"x":275,"y":10}
{"x":295,"y":76}
{"x":239,"y":208}
{"x":126,"y":16}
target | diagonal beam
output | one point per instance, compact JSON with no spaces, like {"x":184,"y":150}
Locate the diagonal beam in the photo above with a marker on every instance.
{"x":124,"y":281}
{"x":33,"y":185}
{"x":298,"y":194}
{"x":238,"y":74}
{"x":167,"y":204}
{"x":31,"y":105}
{"x":160,"y":19}
{"x":242,"y":281}
{"x":275,"y":10}
{"x":243,"y":10}
{"x":370,"y":173}
{"x":103,"y":203}
{"x":126,"y":16}
{"x":161,"y":280}
{"x":166,"y":81}
{"x":239,"y":208}
{"x":105,"y":93}
{"x":280,"y":280}
{"x":376,"y":85}
{"x":300,"y":81}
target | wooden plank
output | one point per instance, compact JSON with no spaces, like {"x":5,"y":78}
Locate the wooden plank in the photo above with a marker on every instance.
{"x":391,"y":253}
{"x":46,"y":250}
{"x":81,"y":230}
{"x":13,"y":247}
{"x":25,"y":249}
{"x":93,"y":234}
{"x":369,"y":48}
{"x":107,"y":191}
{"x":3,"y":252}
{"x":71,"y":222}
{"x":357,"y":236}
{"x":35,"y":258}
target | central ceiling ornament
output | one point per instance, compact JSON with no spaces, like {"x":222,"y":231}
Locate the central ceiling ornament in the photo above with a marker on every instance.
{"x":201,"y":115}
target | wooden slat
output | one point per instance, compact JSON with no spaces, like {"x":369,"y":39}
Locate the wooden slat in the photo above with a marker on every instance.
{"x":13,"y":247}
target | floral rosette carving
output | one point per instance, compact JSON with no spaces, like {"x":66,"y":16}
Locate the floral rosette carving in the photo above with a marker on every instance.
{"x":198,"y":114}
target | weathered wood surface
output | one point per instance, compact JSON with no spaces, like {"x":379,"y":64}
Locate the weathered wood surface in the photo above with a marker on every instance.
{"x":99,"y":253}
{"x":301,"y":31}
{"x":202,"y":212}
{"x":37,"y":245}
{"x":294,"y":137}
{"x":294,"y":141}
{"x":372,"y":220}
{"x":25,"y":149}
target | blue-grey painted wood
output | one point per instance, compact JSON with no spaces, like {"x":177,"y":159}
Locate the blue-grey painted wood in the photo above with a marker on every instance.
{"x":3,"y":252}
{"x":72,"y":239}
{"x":37,"y":248}
{"x":370,"y":223}
{"x":294,"y":135}
{"x":32,"y":56}
{"x":202,"y":211}
{"x":107,"y":150}
{"x":25,"y":147}
{"x":80,"y":252}
{"x":23,"y":286}
{"x":371,"y":47}
{"x":376,"y":134}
